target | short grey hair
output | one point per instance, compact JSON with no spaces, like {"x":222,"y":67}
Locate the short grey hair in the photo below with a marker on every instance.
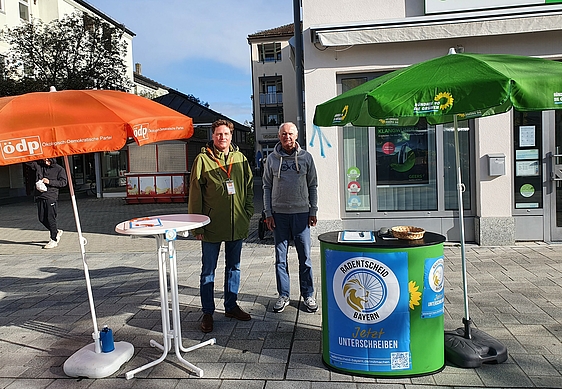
{"x":289,"y":124}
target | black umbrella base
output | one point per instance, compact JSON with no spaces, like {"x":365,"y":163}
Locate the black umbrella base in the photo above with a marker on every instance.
{"x":480,"y":348}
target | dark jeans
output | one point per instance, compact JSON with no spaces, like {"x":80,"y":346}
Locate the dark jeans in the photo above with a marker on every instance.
{"x":210,"y":251}
{"x":47,"y":213}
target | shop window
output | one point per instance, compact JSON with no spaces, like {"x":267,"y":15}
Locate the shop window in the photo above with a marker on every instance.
{"x":356,"y":168}
{"x":410,"y":173}
{"x":406,"y":168}
{"x":114,"y":167}
{"x":356,"y":160}
{"x":449,"y":165}
{"x":528,"y":180}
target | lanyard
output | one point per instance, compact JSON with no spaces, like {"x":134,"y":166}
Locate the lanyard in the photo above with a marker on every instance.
{"x":220,"y":164}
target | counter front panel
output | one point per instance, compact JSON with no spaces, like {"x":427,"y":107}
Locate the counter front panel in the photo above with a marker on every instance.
{"x":382,"y":311}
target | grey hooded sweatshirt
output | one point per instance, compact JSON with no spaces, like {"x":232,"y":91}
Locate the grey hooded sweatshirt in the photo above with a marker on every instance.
{"x":290,"y":184}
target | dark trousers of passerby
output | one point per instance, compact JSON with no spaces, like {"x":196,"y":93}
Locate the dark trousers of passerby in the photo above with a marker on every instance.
{"x":47,"y":213}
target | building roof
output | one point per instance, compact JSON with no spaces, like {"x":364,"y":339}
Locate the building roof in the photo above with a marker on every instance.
{"x":148,"y":82}
{"x":283,"y":31}
{"x":96,"y":11}
{"x":200,"y":114}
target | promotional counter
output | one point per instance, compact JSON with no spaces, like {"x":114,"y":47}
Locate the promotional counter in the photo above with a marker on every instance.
{"x":382,"y":305}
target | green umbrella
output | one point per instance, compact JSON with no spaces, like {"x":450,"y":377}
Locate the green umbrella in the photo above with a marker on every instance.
{"x":464,"y":86}
{"x":443,"y":90}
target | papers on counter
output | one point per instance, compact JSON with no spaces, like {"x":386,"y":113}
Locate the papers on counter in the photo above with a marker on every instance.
{"x":144,"y":222}
{"x":356,"y":236}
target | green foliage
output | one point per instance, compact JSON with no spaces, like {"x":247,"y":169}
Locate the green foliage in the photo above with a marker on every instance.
{"x":75,"y":52}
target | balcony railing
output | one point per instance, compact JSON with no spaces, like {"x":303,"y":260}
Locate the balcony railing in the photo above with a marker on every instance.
{"x":271,"y":98}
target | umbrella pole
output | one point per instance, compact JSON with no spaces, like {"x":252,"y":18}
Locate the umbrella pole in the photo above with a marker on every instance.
{"x":460,"y":190}
{"x":95,"y":334}
{"x":466,"y":347}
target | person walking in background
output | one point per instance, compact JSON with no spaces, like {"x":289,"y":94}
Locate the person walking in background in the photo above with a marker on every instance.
{"x":290,"y":199}
{"x":221,"y":187}
{"x":49,"y":178}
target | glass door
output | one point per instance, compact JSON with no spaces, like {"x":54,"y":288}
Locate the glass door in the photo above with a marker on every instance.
{"x":555,"y":164}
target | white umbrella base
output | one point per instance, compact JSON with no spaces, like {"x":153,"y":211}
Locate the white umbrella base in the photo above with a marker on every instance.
{"x":87,"y":363}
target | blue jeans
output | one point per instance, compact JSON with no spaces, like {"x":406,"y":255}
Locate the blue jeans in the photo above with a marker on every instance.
{"x":210,"y":257}
{"x":292,"y":226}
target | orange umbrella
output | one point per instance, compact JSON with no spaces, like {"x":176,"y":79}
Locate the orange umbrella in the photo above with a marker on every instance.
{"x":46,"y":124}
{"x":53,"y":124}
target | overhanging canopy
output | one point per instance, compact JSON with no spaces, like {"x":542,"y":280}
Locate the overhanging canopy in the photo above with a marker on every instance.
{"x":440,"y":27}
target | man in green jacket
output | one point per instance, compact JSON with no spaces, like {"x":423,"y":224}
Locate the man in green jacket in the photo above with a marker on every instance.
{"x":221,"y":187}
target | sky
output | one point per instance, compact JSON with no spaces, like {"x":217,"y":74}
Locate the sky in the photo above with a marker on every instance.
{"x":199,"y":47}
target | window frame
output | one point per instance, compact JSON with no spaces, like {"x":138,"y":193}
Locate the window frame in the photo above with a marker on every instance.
{"x":21,"y":4}
{"x":440,"y":212}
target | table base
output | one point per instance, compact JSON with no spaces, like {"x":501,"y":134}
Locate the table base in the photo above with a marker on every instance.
{"x":170,"y":331}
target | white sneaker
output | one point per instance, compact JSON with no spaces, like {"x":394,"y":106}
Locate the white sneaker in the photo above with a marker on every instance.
{"x":281,"y":303}
{"x":59,"y":234}
{"x":51,"y":245}
{"x":310,"y":304}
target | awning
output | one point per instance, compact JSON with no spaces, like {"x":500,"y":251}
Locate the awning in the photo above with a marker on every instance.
{"x":437,"y":27}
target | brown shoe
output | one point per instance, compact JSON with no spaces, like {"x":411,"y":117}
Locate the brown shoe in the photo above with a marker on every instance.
{"x":207,"y":323}
{"x":238,"y":314}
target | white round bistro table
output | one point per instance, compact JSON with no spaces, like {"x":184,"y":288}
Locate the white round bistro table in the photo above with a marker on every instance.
{"x":165,"y":228}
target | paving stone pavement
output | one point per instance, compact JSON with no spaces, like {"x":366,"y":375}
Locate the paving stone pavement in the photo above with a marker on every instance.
{"x":515,"y":296}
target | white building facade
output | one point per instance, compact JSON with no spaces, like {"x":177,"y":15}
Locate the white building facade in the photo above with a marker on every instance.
{"x":349,"y":42}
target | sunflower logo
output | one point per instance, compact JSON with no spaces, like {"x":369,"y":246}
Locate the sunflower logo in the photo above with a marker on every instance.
{"x":415,"y":296}
{"x":344,"y":112}
{"x":445,"y":100}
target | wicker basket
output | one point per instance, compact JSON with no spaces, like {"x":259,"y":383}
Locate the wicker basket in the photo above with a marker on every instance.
{"x":408,"y":232}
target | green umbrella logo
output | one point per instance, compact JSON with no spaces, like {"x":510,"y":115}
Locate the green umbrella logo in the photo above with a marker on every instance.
{"x":340,"y":117}
{"x":445,"y":100}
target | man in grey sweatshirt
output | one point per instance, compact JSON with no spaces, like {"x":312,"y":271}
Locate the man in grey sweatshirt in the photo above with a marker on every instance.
{"x":290,"y":198}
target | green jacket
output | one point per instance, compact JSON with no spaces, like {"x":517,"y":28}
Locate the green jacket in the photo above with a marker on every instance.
{"x":230,"y":213}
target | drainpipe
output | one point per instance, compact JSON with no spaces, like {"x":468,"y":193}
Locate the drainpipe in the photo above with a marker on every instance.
{"x":299,"y":72}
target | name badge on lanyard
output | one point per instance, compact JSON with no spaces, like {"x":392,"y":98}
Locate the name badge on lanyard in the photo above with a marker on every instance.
{"x":230,"y":187}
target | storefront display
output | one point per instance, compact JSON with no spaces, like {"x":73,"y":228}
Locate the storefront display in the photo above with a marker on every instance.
{"x":156,"y":187}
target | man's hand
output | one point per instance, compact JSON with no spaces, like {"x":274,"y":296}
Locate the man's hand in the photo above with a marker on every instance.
{"x":46,"y":180}
{"x":199,"y":236}
{"x":312,"y":221}
{"x":270,"y":223}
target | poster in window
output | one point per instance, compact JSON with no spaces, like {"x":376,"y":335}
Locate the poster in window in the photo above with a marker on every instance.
{"x":402,"y":155}
{"x":146,"y":185}
{"x":163,"y":185}
{"x":178,"y":185}
{"x":132,"y":186}
{"x":526,"y":136}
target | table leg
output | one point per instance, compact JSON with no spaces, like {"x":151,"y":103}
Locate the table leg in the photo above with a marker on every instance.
{"x":176,"y":320}
{"x":164,"y":310}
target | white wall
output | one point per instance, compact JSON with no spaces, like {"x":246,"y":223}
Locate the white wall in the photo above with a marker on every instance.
{"x":494,"y":136}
